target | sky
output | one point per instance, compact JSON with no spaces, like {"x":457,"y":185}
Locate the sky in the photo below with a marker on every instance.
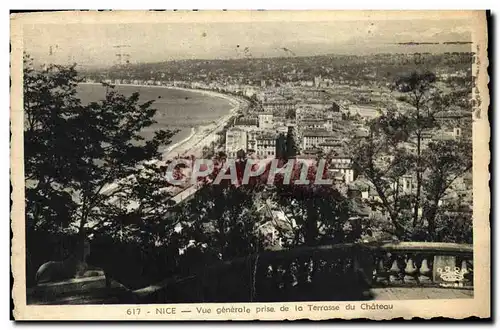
{"x":97,"y":44}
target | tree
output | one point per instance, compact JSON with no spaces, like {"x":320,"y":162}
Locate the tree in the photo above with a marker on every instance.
{"x":291,"y":144}
{"x":417,"y":87}
{"x":254,"y":102}
{"x":375,"y":158}
{"x":208,"y":151}
{"x":81,"y":158}
{"x":315,"y":215}
{"x":445,"y":161}
{"x":281,"y":146}
{"x":394,"y":156}
{"x":221,"y":219}
{"x":290,"y":114}
{"x":335,"y":107}
{"x":50,"y":105}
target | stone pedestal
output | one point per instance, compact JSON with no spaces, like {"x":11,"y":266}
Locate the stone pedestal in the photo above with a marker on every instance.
{"x":445,"y":271}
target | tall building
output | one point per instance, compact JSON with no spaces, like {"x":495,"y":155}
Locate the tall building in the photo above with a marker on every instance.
{"x":252,"y":140}
{"x":265,"y":144}
{"x":236,"y":139}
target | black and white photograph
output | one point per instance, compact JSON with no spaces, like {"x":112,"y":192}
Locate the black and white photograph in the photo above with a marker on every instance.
{"x":247,"y":159}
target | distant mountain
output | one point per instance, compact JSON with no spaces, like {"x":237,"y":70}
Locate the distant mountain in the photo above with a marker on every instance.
{"x":412,"y":43}
{"x":457,"y":42}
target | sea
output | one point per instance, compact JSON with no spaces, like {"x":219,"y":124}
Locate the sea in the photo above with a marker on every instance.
{"x":176,"y":109}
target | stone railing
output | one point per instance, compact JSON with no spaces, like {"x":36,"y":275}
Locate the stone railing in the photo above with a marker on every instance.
{"x":327,"y":273}
{"x":423,"y":264}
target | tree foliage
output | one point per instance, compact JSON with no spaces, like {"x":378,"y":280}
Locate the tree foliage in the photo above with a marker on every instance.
{"x":82,"y":158}
{"x":397,"y":153}
{"x":292,"y":149}
{"x":90,"y":173}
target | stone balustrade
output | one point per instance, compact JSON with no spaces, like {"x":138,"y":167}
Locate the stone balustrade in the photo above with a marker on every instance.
{"x":325,"y":273}
{"x":423,"y":264}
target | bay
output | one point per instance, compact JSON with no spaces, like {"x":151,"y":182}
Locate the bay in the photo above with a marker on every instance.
{"x":176,"y":109}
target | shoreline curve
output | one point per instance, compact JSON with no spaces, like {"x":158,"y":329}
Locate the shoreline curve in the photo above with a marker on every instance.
{"x":183,"y":146}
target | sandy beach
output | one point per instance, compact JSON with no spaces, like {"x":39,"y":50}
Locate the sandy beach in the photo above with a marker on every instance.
{"x":203,"y":135}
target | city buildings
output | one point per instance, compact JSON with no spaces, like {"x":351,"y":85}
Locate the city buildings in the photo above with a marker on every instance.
{"x":312,"y":138}
{"x":456,"y":121}
{"x":327,"y":105}
{"x":266,"y":120}
{"x":343,"y":164}
{"x":236,"y":140}
{"x":265,"y":144}
{"x":279,"y":106}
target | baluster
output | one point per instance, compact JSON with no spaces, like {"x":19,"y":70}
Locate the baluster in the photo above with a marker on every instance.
{"x":425,"y":272}
{"x":287,"y":277}
{"x":278,"y":277}
{"x":395,"y":272}
{"x":308,"y":265}
{"x":292,"y":274}
{"x":302,"y":271}
{"x":381,"y":274}
{"x":264,"y":281}
{"x":269,"y":271}
{"x":410,"y":271}
{"x":464,"y":269}
{"x":470,"y":267}
{"x":321,"y":275}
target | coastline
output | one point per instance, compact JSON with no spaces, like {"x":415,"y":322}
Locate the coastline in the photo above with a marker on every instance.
{"x":200,"y":135}
{"x":172,"y":147}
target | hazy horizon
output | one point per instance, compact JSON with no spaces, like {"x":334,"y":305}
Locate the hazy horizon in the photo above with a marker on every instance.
{"x":97,"y":45}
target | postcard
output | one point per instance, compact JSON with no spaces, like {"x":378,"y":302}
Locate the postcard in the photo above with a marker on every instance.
{"x":250,"y":165}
